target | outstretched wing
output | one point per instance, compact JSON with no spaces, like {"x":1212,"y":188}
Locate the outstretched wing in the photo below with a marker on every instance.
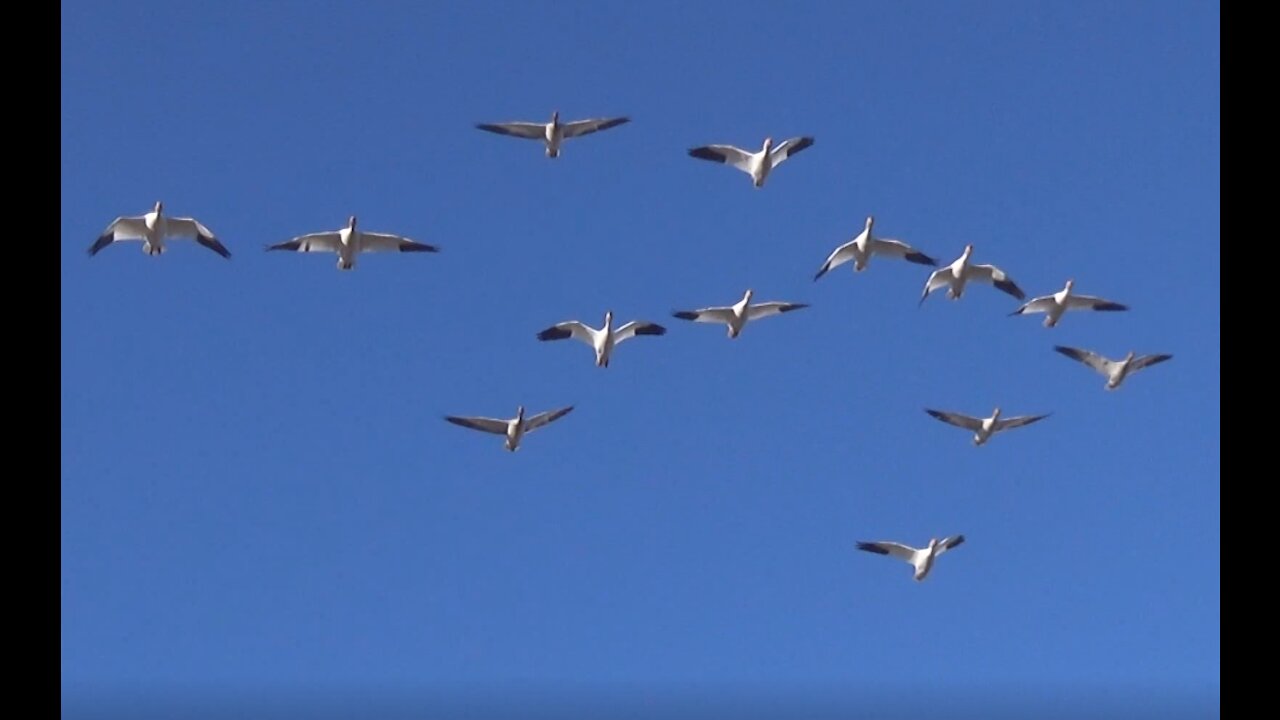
{"x":314,"y":242}
{"x":386,"y":242}
{"x":1019,"y":421}
{"x":122,"y":228}
{"x":544,"y":418}
{"x":948,"y":543}
{"x":787,"y":148}
{"x":957,"y":419}
{"x":727,"y":154}
{"x":996,"y":276}
{"x":899,"y":249}
{"x":763,"y":310}
{"x":571,"y":328}
{"x":1036,"y":305}
{"x":838,"y":257}
{"x":892,"y":549}
{"x":1089,"y":302}
{"x":483,"y":424}
{"x":706,"y":315}
{"x":578,"y":128}
{"x":532,"y":131}
{"x":1092,"y":359}
{"x":637,"y":327}
{"x":1148,"y":360}
{"x":192,"y":228}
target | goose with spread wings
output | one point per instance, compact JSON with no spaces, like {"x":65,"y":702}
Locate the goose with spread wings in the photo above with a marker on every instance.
{"x":920,"y":558}
{"x":348,"y":243}
{"x":984,"y":428}
{"x":515,"y":428}
{"x":961,"y":272}
{"x":1115,"y":371}
{"x":736,"y":316}
{"x":756,"y":164}
{"x":865,"y":245}
{"x":604,"y":340}
{"x":153,"y":228}
{"x":1057,"y":304}
{"x":553,"y":134}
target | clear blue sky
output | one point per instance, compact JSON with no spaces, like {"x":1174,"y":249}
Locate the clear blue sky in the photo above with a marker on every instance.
{"x":262,"y":503}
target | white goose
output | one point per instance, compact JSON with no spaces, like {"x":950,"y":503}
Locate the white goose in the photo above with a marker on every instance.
{"x":861,"y":248}
{"x":604,"y":339}
{"x":984,"y":428}
{"x":349,"y":242}
{"x":737,"y":316}
{"x":961,"y":272}
{"x":756,"y":164}
{"x":920,"y":558}
{"x":1058,"y":303}
{"x":554,"y":133}
{"x":515,"y":428}
{"x":1115,"y":371}
{"x":153,"y":228}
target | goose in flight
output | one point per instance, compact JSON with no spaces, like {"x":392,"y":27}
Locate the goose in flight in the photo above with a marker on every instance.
{"x":984,"y":428}
{"x":513,"y":429}
{"x":737,"y":315}
{"x":349,"y":242}
{"x":604,"y":339}
{"x":1058,"y":303}
{"x":554,"y":133}
{"x":153,"y":228}
{"x":861,"y":248}
{"x":756,"y":164}
{"x":961,"y":272}
{"x":1115,"y":371}
{"x":920,"y":558}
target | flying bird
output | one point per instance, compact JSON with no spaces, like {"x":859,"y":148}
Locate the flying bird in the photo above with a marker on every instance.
{"x":554,"y":133}
{"x":737,"y":315}
{"x":349,"y":242}
{"x":1058,"y":303}
{"x":920,"y":558}
{"x":861,"y":248}
{"x":984,"y":428}
{"x":603,"y":340}
{"x":961,"y":272}
{"x":756,"y":164}
{"x":1115,"y":371}
{"x":153,"y":228}
{"x":515,"y":428}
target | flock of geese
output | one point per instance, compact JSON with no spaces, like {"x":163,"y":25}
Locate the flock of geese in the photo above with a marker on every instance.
{"x":154,"y":228}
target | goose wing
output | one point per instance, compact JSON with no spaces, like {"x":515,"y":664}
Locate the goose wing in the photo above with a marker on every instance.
{"x":313,"y":242}
{"x":386,"y":242}
{"x":578,"y":128}
{"x":122,"y":228}
{"x":1148,"y":360}
{"x":191,"y":228}
{"x":762,"y":310}
{"x":957,"y":419}
{"x":996,"y":276}
{"x":899,"y":249}
{"x":727,"y":154}
{"x":1019,"y":421}
{"x":1036,"y":305}
{"x":948,"y":543}
{"x":483,"y":424}
{"x":838,"y":257}
{"x":569,"y":329}
{"x":545,"y":418}
{"x":706,"y":315}
{"x":1089,"y":302}
{"x":892,"y":549}
{"x":637,"y":327}
{"x":532,"y":131}
{"x":787,"y":148}
{"x":1092,"y":359}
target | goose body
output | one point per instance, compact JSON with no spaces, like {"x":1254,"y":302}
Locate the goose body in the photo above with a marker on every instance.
{"x":984,"y":428}
{"x":553,"y":133}
{"x":921,"y":559}
{"x":513,"y":429}
{"x":349,"y":242}
{"x":865,"y":245}
{"x":757,"y":164}
{"x":1057,"y":304}
{"x":735,"y":317}
{"x":1115,"y":371}
{"x":604,"y":340}
{"x":961,"y":272}
{"x":153,"y":228}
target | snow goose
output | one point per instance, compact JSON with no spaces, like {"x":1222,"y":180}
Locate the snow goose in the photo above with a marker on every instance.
{"x":554,"y":133}
{"x":961,"y":272}
{"x":604,"y":339}
{"x":756,"y":164}
{"x":153,"y":228}
{"x":350,"y":242}
{"x":1115,"y":371}
{"x":1058,"y":303}
{"x":861,"y":248}
{"x":513,"y":429}
{"x":737,"y":315}
{"x":984,"y":428}
{"x":920,"y":558}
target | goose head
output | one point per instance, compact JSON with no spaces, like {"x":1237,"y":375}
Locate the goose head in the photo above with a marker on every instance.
{"x":871,"y":220}
{"x":933,"y":544}
{"x":1070,"y":283}
{"x":519,"y":413}
{"x":768,"y":144}
{"x":608,"y":319}
{"x":555,"y":117}
{"x":1129,"y":358}
{"x":995,"y":414}
{"x":968,"y":250}
{"x":746,"y":298}
{"x":351,"y":223}
{"x":159,"y":207}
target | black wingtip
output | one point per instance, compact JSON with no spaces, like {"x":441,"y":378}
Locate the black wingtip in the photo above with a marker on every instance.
{"x":920,"y":258}
{"x":795,"y":306}
{"x":651,"y":329}
{"x":1111,"y":307}
{"x":685,"y":315}
{"x":418,"y":247}
{"x":553,"y":333}
{"x":872,"y":547}
{"x":101,"y":242}
{"x":703,"y":153}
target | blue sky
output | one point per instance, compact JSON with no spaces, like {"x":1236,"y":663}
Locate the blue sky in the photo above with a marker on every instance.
{"x":260,"y":497}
